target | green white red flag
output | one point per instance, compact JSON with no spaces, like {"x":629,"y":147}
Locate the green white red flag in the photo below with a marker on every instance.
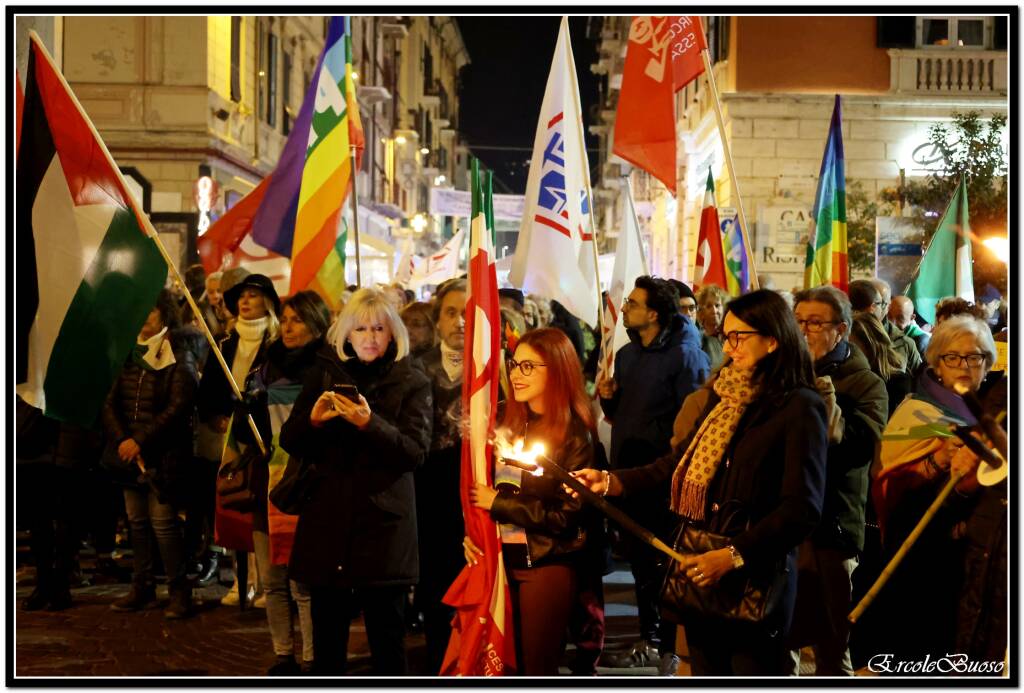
{"x":88,"y":271}
{"x":482,"y":641}
{"x":710,"y":260}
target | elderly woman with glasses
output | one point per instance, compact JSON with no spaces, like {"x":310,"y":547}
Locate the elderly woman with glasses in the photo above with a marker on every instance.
{"x":917,"y":455}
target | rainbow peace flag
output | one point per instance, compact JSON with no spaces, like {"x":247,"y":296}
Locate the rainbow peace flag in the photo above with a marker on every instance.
{"x":827,"y":246}
{"x":318,"y":256}
{"x":737,"y":268}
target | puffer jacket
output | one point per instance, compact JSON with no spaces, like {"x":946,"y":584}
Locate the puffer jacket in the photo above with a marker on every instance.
{"x":358,"y":527}
{"x":155,"y":409}
{"x":555,"y":523}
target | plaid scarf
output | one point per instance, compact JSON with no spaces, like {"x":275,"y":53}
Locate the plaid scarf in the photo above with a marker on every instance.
{"x":699,"y":463}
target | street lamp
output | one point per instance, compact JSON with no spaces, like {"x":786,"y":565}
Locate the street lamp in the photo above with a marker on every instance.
{"x":424,"y":151}
{"x":1000,"y":247}
{"x":418,"y":223}
{"x":400,"y":139}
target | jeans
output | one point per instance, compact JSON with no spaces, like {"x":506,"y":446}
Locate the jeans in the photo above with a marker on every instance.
{"x":145,"y":511}
{"x":280,"y":592}
{"x":384,"y":616}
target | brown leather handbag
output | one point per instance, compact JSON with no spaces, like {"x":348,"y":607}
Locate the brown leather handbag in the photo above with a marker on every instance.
{"x":239,"y":481}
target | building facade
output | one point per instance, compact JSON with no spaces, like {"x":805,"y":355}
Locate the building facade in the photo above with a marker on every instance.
{"x":897,"y":77}
{"x":179,"y":99}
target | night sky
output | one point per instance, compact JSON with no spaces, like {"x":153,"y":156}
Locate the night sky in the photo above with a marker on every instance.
{"x":502,"y":88}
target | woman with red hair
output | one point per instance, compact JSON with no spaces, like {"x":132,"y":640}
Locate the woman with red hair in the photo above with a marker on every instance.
{"x":543,"y":529}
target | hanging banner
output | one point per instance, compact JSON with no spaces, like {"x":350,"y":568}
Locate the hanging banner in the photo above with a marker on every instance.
{"x":457,"y":203}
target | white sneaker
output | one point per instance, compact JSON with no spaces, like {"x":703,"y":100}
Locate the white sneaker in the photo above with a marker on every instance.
{"x":668,"y":664}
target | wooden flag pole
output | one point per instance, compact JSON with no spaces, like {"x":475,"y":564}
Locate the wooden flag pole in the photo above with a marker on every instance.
{"x":585,"y":165}
{"x":710,"y":74}
{"x":151,"y":232}
{"x":908,"y":543}
{"x":355,"y":219}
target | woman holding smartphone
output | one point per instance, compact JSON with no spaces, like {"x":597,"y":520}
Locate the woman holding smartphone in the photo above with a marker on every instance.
{"x":543,"y":529}
{"x":364,"y":416}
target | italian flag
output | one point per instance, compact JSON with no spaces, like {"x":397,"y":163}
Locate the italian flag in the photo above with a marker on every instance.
{"x":87,"y":271}
{"x":947,"y":268}
{"x":482,"y":641}
{"x":710,"y":262}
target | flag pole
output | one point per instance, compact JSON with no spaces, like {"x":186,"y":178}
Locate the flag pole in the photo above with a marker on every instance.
{"x":355,"y":219}
{"x":636,"y":222}
{"x":710,"y":75}
{"x":151,"y":232}
{"x":585,"y":165}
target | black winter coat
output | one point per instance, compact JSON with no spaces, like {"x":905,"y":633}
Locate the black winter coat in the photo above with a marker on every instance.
{"x":862,"y":397}
{"x":358,"y":527}
{"x":155,"y":409}
{"x":215,"y":395}
{"x":773,"y":467}
{"x":554,"y":521}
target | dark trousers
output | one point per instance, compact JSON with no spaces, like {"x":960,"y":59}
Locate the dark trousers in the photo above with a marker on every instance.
{"x":586,"y":621}
{"x":200,"y":504}
{"x":332,"y":609}
{"x":542,"y":599}
{"x":648,"y":571}
{"x":48,"y":492}
{"x":722,"y":649}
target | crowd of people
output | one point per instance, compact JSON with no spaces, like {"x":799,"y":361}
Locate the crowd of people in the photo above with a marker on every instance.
{"x":779,"y":422}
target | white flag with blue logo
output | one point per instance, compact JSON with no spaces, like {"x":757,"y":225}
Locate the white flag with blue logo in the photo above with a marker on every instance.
{"x":548,"y":254}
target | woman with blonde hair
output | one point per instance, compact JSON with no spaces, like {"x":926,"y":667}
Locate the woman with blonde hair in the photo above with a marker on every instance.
{"x":364,"y":418}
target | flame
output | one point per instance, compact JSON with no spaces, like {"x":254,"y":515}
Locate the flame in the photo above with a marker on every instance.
{"x":516,"y":451}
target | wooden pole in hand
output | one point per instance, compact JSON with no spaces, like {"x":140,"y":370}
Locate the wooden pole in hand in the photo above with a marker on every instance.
{"x":744,"y":228}
{"x":908,"y":543}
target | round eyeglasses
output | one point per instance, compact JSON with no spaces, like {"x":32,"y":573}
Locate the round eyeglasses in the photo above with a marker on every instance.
{"x":734,"y":337}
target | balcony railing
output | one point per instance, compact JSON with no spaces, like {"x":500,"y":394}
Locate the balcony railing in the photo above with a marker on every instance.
{"x":952,"y":72}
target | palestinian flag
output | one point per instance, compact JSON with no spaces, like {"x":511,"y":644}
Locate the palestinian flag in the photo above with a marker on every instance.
{"x":88,"y":274}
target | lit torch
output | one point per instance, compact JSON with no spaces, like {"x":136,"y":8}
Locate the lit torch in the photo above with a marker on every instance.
{"x":537,"y":463}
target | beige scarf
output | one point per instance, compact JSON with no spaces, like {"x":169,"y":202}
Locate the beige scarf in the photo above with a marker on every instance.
{"x":700,"y":462}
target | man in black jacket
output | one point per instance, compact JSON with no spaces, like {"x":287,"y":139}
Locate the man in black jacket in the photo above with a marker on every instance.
{"x":857,"y":407}
{"x":654,"y":373}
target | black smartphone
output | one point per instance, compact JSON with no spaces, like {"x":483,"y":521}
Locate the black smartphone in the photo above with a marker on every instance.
{"x":346,"y":390}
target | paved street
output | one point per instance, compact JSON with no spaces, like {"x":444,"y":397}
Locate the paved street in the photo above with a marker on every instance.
{"x":91,"y":640}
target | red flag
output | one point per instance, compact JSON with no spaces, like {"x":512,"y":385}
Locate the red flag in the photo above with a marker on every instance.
{"x":687,"y":43}
{"x":645,"y":123}
{"x":20,"y":95}
{"x":226,"y":234}
{"x":482,"y":642}
{"x":710,"y":264}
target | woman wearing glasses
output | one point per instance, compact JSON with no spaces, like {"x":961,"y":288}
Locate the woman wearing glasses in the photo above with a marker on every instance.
{"x":916,"y":457}
{"x":756,"y":446}
{"x":543,"y":530}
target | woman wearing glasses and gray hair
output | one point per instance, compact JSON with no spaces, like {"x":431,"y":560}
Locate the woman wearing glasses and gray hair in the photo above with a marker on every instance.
{"x":916,"y":457}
